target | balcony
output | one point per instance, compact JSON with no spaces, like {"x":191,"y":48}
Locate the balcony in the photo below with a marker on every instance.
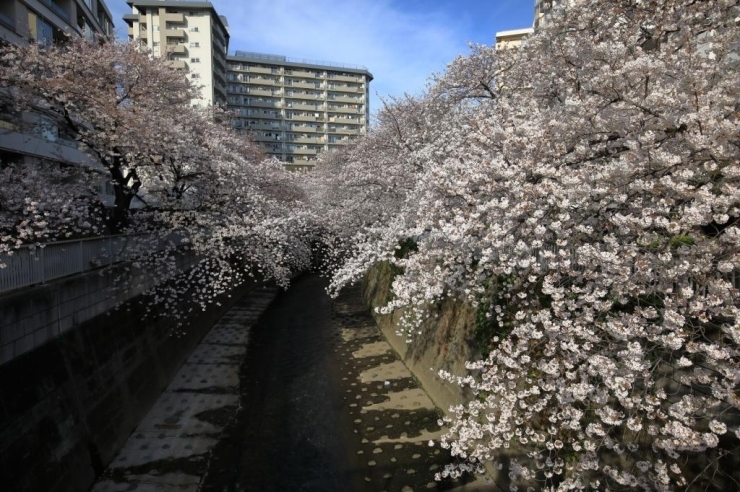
{"x":347,"y":88}
{"x":305,"y":96}
{"x":261,"y":126}
{"x":263,"y":104}
{"x":265,"y":70}
{"x":177,"y":64}
{"x":346,"y":131}
{"x":217,"y":42}
{"x":265,"y":115}
{"x":350,"y":121}
{"x":260,"y":92}
{"x":216,"y":30}
{"x":304,"y":129}
{"x":347,"y":99}
{"x":131,"y":18}
{"x":175,"y":18}
{"x":345,"y":110}
{"x":304,"y":73}
{"x":174,"y":33}
{"x":305,"y":118}
{"x":300,"y":151}
{"x":308,"y":140}
{"x":263,"y":81}
{"x":310,"y":107}
{"x":303,"y":85}
{"x":265,"y":138}
{"x":143,"y":34}
{"x":177,"y":49}
{"x":345,"y":78}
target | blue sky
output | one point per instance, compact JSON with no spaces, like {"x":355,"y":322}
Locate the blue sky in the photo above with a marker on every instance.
{"x":401,"y":42}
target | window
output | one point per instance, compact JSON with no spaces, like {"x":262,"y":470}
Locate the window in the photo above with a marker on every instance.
{"x":195,"y":60}
{"x":194,"y":29}
{"x":41,"y":30}
{"x":194,"y":75}
{"x":195,"y":44}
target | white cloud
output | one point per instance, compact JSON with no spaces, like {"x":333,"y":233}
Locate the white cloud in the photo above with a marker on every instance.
{"x":400,"y":49}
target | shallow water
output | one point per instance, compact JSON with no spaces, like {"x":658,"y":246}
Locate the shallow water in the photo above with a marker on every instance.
{"x":316,"y":412}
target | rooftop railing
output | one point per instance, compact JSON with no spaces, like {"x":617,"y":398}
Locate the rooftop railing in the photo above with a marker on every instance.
{"x":302,"y":61}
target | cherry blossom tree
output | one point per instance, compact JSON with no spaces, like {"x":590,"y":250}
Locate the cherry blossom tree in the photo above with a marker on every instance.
{"x":183,"y":179}
{"x":583,"y":191}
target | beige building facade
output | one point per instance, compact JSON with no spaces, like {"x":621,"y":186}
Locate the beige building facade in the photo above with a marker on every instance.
{"x":191,"y":35}
{"x":512,"y":38}
{"x":298,"y":108}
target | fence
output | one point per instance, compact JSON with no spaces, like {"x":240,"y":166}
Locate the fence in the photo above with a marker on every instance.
{"x":31,"y":264}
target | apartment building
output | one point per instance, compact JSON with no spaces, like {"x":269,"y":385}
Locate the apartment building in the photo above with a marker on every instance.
{"x":46,"y":21}
{"x":298,"y":108}
{"x":36,"y":137}
{"x":512,"y":38}
{"x":193,"y":37}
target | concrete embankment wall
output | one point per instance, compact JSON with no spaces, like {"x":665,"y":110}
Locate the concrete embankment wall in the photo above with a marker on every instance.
{"x":447,"y":340}
{"x":32,"y":316}
{"x":68,"y":405}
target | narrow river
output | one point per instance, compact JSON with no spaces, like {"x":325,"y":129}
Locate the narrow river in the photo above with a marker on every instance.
{"x":325,"y":405}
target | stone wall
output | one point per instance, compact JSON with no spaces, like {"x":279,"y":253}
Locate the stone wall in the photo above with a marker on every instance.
{"x":68,"y":405}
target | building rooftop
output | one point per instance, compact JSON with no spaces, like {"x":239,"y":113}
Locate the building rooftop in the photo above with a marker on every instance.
{"x":183,"y":4}
{"x":514,"y":32}
{"x":296,"y":62}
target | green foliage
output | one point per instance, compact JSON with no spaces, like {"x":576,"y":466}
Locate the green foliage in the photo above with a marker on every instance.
{"x":487,"y":323}
{"x":681,"y":240}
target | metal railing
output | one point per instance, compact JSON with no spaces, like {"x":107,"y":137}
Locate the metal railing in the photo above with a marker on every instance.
{"x":302,"y":61}
{"x":32,"y":265}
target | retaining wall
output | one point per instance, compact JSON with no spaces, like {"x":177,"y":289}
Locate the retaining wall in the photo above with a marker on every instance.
{"x":68,"y":405}
{"x":32,"y":316}
{"x":448,"y":339}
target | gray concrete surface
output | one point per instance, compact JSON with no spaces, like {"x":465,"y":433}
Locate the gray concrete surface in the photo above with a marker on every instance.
{"x":170,"y":449}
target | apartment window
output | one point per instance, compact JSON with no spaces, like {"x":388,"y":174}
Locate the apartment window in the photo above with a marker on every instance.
{"x":43,"y":32}
{"x":195,"y":60}
{"x":194,"y":29}
{"x":155,"y":43}
{"x":195,"y":44}
{"x":194,"y":75}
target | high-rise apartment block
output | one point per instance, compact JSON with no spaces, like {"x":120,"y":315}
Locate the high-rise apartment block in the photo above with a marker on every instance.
{"x":298,"y":108}
{"x":294,"y":108}
{"x":47,"y":21}
{"x":193,"y":37}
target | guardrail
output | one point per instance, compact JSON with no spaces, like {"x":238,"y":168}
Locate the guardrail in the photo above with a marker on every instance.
{"x":39,"y":264}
